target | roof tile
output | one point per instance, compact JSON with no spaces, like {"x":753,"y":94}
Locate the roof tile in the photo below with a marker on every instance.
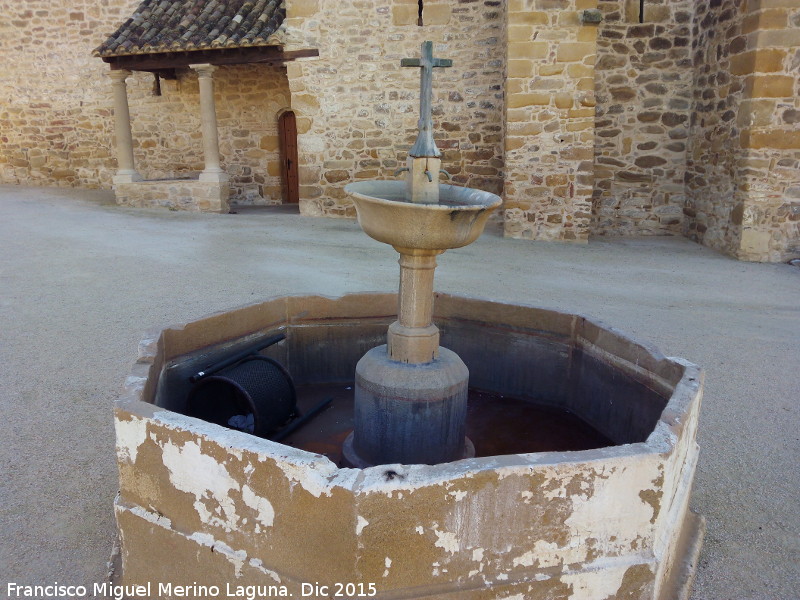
{"x":175,"y":25}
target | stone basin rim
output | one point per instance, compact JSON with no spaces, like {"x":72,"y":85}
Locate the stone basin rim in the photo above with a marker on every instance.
{"x":662,"y":440}
{"x":470,"y":199}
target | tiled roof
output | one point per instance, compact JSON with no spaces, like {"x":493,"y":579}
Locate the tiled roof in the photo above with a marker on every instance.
{"x":179,"y":25}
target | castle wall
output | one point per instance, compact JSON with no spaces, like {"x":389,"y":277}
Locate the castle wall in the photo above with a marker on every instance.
{"x":644,"y":94}
{"x":743,"y":180}
{"x":550,"y":111}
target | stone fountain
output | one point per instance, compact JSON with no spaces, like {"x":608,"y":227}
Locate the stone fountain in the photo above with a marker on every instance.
{"x":223,"y":513}
{"x":411,"y":394}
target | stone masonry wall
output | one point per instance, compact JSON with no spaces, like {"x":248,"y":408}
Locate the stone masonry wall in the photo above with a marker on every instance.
{"x":56,"y":111}
{"x":357,"y":108}
{"x":550,"y":114}
{"x":644,"y":93}
{"x":770,"y":120}
{"x":743,"y":179}
{"x":711,"y":179}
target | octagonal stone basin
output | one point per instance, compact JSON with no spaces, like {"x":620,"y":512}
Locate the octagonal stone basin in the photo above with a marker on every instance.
{"x":386,"y":216}
{"x":214,"y":506}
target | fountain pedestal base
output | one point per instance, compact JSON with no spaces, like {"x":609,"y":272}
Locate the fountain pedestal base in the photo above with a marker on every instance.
{"x":409,"y":413}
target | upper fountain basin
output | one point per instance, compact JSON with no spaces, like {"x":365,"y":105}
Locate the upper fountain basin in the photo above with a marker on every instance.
{"x":385,"y":215}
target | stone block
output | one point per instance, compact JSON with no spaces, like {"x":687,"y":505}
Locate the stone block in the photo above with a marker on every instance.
{"x":529,"y":18}
{"x":302,"y":8}
{"x":522,"y":100}
{"x":436,"y":14}
{"x":520,"y":33}
{"x":783,"y":139}
{"x":564,"y":100}
{"x":520,"y":68}
{"x":574,"y":51}
{"x":770,"y":86}
{"x":527,"y":50}
{"x":405,"y":14}
{"x":767,"y":60}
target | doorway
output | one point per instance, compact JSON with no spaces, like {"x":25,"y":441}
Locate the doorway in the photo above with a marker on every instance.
{"x":287,"y":133}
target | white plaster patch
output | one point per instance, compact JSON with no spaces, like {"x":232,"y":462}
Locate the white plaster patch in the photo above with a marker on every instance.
{"x":150,"y":517}
{"x":591,"y":588}
{"x":130,"y":435}
{"x":200,"y":475}
{"x":477,"y":554}
{"x":446,"y":540}
{"x":388,"y":563}
{"x":265,"y":514}
{"x":544,"y":555}
{"x":458,"y":495}
{"x":257,"y":564}
{"x":586,"y":518}
{"x":235,"y":557}
{"x":420,"y":529}
{"x":360,"y":524}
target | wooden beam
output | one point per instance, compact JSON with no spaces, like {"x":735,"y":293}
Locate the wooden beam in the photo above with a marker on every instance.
{"x":222,"y":56}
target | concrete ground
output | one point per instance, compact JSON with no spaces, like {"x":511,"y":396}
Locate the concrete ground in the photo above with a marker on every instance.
{"x":81,"y":279}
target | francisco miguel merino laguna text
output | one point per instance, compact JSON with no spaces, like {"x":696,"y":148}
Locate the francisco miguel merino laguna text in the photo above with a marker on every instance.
{"x":195,"y":590}
{"x":121,"y":592}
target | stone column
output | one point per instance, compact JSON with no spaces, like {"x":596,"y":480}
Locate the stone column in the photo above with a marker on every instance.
{"x":413,"y":338}
{"x":126,"y":171}
{"x":208,"y":115}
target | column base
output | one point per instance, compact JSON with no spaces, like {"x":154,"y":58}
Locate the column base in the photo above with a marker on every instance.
{"x":416,"y":345}
{"x":410,"y":413}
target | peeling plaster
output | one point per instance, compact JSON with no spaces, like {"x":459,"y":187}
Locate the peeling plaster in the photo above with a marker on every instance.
{"x":200,"y":475}
{"x":235,"y":557}
{"x":257,"y":564}
{"x":361,"y":523}
{"x":265,"y":514}
{"x":446,"y":540}
{"x":150,"y":517}
{"x":596,"y":588}
{"x":130,"y":435}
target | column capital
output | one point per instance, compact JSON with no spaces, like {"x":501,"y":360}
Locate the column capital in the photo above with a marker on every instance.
{"x":204,"y":69}
{"x":119,"y":75}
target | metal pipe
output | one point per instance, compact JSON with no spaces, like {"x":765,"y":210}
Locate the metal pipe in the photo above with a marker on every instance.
{"x":217,"y":367}
{"x":298,"y":423}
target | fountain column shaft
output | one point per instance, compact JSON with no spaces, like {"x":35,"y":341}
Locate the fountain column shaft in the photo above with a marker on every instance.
{"x":416,"y":290}
{"x":413,"y":338}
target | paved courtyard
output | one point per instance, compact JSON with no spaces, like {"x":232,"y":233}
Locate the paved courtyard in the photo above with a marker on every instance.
{"x":81,"y":279}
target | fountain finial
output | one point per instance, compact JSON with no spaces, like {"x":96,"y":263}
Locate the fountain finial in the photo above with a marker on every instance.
{"x":425,"y":146}
{"x":423,"y":163}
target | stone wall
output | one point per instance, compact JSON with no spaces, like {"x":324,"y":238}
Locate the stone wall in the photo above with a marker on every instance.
{"x":644,"y":94}
{"x":357,"y":108}
{"x":56,"y":111}
{"x":743,"y":180}
{"x":550,"y":113}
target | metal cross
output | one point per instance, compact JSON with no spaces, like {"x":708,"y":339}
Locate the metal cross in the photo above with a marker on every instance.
{"x":425,"y":146}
